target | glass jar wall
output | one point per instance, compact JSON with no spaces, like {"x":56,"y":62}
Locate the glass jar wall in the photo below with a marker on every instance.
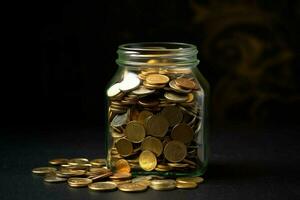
{"x":157,"y":111}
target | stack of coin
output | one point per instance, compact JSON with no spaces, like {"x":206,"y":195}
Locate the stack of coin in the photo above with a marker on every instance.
{"x":94,"y":175}
{"x":155,"y":119}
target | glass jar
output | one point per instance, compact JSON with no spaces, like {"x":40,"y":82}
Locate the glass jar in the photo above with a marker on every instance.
{"x":157,"y":105}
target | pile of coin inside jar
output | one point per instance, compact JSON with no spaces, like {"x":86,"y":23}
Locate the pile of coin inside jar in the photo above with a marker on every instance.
{"x":155,"y":118}
{"x":80,"y":172}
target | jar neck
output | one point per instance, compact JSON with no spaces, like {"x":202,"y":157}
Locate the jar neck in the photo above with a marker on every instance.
{"x":157,"y":54}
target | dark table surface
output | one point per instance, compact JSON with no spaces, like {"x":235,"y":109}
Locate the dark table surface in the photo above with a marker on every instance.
{"x":243,"y":165}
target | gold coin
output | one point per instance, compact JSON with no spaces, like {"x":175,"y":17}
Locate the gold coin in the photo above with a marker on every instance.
{"x":142,"y":77}
{"x":43,"y":170}
{"x":163,"y":182}
{"x":58,"y":161}
{"x":118,"y":129}
{"x":128,"y":102}
{"x":103,"y":186}
{"x":120,"y":175}
{"x":119,"y":182}
{"x":124,"y":147}
{"x":166,"y":184}
{"x":178,"y":165}
{"x":78,"y":166}
{"x":54,"y":179}
{"x":148,"y":71}
{"x":196,"y":179}
{"x":141,"y":178}
{"x":163,"y":187}
{"x":142,"y":91}
{"x":183,"y":133}
{"x":153,"y":87}
{"x":143,"y":115}
{"x":175,"y":97}
{"x":79,"y":182}
{"x":117,"y":103}
{"x":143,"y":182}
{"x":163,"y":168}
{"x":179,"y":71}
{"x":98,"y":170}
{"x":147,"y":160}
{"x":133,"y":115}
{"x":117,"y":110}
{"x":146,"y":102}
{"x":132,"y":96}
{"x":98,"y":162}
{"x":152,"y":61}
{"x":120,"y":107}
{"x":185,"y":83}
{"x":152,"y":144}
{"x":101,"y":176}
{"x":187,"y":185}
{"x":173,"y":114}
{"x":190,"y":98}
{"x":74,"y":167}
{"x":79,"y":161}
{"x":116,"y":157}
{"x":178,"y":89}
{"x":65,"y":172}
{"x":157,"y":79}
{"x":157,"y":126}
{"x":132,"y":187}
{"x":135,"y":161}
{"x":175,"y":151}
{"x":122,"y":166}
{"x":189,"y":161}
{"x":135,"y":131}
{"x":163,"y":71}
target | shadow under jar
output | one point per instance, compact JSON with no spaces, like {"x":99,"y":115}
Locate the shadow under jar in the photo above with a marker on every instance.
{"x":157,"y":106}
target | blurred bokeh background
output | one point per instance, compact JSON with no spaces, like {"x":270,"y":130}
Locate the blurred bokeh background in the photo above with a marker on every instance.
{"x":249,"y":53}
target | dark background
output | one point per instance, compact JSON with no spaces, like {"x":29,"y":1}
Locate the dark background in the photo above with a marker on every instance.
{"x":249,"y":53}
{"x":61,"y":54}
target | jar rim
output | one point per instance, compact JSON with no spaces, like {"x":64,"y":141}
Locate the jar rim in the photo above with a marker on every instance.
{"x":157,"y":46}
{"x":175,"y":53}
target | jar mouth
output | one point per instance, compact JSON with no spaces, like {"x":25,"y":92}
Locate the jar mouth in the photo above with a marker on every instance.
{"x":158,"y":46}
{"x":163,"y":53}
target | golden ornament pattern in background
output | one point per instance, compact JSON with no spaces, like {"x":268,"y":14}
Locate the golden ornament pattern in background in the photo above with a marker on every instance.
{"x":252,"y":64}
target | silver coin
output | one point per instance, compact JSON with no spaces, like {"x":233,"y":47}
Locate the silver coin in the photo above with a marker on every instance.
{"x":119,"y":120}
{"x":130,"y":82}
{"x":114,"y":90}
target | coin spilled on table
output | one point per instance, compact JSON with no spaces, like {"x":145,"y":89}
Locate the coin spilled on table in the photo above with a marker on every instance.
{"x":80,"y":172}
